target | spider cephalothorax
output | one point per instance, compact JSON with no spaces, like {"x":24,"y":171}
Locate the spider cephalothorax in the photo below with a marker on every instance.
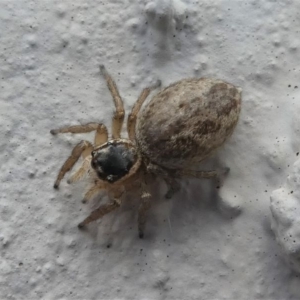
{"x":179,"y":127}
{"x":114,"y":159}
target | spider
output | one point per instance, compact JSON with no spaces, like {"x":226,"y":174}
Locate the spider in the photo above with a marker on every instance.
{"x":182,"y":125}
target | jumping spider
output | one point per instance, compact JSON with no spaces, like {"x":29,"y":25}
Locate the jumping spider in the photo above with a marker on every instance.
{"x":182,"y":125}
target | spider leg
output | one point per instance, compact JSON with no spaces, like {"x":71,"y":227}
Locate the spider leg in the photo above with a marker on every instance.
{"x":142,"y":213}
{"x":131,"y":121}
{"x":82,"y":170}
{"x":101,"y":135}
{"x":101,"y":211}
{"x":119,"y":113}
{"x":204,"y":174}
{"x":72,"y":159}
{"x":92,"y":192}
{"x":172,"y":184}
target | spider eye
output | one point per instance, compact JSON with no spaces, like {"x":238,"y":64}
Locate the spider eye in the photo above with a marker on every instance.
{"x":110,"y":178}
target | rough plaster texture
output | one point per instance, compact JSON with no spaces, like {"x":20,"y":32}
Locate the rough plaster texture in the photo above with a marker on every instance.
{"x":207,"y":243}
{"x":285,"y":208}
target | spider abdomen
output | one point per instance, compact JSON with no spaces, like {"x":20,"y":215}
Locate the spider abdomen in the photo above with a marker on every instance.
{"x":187,"y":121}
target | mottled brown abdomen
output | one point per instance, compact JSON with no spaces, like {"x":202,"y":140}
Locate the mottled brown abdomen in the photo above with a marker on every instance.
{"x":187,"y":121}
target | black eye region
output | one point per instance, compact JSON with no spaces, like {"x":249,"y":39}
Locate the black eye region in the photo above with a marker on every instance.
{"x":113,"y":162}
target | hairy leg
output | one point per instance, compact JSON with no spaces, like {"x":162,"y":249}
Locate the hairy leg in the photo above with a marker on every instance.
{"x":86,"y":155}
{"x":101,"y":135}
{"x":99,"y":213}
{"x":72,"y":159}
{"x":204,"y":174}
{"x":131,"y":121}
{"x":142,"y":213}
{"x":82,"y":170}
{"x":173,"y":187}
{"x":104,"y":209}
{"x":172,"y":184}
{"x":119,"y":114}
{"x":95,"y":189}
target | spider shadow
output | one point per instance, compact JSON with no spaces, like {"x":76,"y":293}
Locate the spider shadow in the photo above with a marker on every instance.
{"x":199,"y":203}
{"x":197,"y":200}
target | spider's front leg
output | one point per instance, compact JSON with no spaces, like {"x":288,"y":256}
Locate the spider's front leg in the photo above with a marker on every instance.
{"x":92,"y":191}
{"x":104,"y":209}
{"x":78,"y":150}
{"x":100,"y":212}
{"x":84,"y":148}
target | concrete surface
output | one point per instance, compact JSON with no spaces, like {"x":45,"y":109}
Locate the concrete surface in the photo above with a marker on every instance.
{"x":208,"y":242}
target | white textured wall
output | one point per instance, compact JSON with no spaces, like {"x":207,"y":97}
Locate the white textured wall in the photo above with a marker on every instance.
{"x":196,"y":247}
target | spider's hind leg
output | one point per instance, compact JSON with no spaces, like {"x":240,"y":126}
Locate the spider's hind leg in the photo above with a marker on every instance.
{"x":172,"y":184}
{"x":205,"y":174}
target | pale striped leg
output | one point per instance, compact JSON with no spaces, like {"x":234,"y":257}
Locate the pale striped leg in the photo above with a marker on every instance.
{"x":94,"y":190}
{"x":100,"y":212}
{"x":204,"y":174}
{"x":82,"y":170}
{"x":72,"y":159}
{"x":101,"y":135}
{"x":131,"y":121}
{"x":119,"y":113}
